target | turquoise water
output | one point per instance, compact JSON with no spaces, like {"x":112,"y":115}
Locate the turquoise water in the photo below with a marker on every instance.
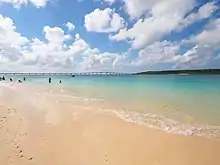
{"x":191,"y":98}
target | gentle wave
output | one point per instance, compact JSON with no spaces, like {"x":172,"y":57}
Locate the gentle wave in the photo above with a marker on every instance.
{"x":146,"y":119}
{"x":75,"y":97}
{"x":156,"y":121}
{"x":167,"y":124}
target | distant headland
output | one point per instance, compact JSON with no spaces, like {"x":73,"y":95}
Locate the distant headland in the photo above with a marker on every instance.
{"x":183,"y":72}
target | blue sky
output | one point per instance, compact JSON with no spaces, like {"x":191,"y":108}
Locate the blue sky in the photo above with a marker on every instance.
{"x":109,"y":35}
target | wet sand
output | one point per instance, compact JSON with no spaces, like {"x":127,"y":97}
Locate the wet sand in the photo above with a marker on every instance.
{"x":38,"y":130}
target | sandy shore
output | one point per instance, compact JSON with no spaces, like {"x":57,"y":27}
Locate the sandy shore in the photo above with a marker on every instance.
{"x":38,"y":130}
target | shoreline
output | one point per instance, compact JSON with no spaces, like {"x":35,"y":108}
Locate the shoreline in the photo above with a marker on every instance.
{"x":37,"y":129}
{"x":57,"y":94}
{"x":100,"y":139}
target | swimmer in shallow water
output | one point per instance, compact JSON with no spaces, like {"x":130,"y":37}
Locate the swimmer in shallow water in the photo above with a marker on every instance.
{"x":10,"y":79}
{"x":60,"y":82}
{"x":49,"y":80}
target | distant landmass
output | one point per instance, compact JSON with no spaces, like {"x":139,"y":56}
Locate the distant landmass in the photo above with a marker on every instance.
{"x":183,"y":72}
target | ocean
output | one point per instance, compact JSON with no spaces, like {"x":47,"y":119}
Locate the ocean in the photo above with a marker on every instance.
{"x":186,"y":104}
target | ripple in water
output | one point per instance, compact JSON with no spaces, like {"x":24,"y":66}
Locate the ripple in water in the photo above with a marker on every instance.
{"x":151,"y":120}
{"x":167,"y":124}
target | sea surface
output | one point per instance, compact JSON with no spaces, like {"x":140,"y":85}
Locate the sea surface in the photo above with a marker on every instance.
{"x":186,"y":104}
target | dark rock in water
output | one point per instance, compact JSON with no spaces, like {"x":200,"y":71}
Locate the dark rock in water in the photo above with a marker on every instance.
{"x":73,"y":76}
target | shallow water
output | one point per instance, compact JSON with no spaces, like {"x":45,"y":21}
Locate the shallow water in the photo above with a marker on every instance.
{"x":180,"y":101}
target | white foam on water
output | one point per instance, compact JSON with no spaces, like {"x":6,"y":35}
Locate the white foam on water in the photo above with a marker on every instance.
{"x":156,"y":121}
{"x":150,"y":120}
{"x":167,"y":124}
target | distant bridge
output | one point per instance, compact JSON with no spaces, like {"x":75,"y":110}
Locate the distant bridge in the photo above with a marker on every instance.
{"x":71,"y":74}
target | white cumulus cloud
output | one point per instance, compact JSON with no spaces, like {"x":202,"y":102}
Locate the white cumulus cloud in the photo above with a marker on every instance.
{"x":204,"y":52}
{"x":158,"y":53}
{"x":70,"y":26}
{"x":136,"y":8}
{"x":18,"y":53}
{"x":11,"y":42}
{"x":109,"y":1}
{"x":18,"y":3}
{"x":59,"y":51}
{"x":208,"y":37}
{"x":55,"y":34}
{"x":204,"y":12}
{"x":161,"y":18}
{"x":104,"y":21}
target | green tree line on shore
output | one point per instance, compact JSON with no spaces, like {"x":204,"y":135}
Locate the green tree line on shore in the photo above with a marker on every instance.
{"x":197,"y":71}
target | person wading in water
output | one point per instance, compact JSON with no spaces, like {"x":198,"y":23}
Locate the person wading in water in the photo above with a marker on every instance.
{"x":49,"y":80}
